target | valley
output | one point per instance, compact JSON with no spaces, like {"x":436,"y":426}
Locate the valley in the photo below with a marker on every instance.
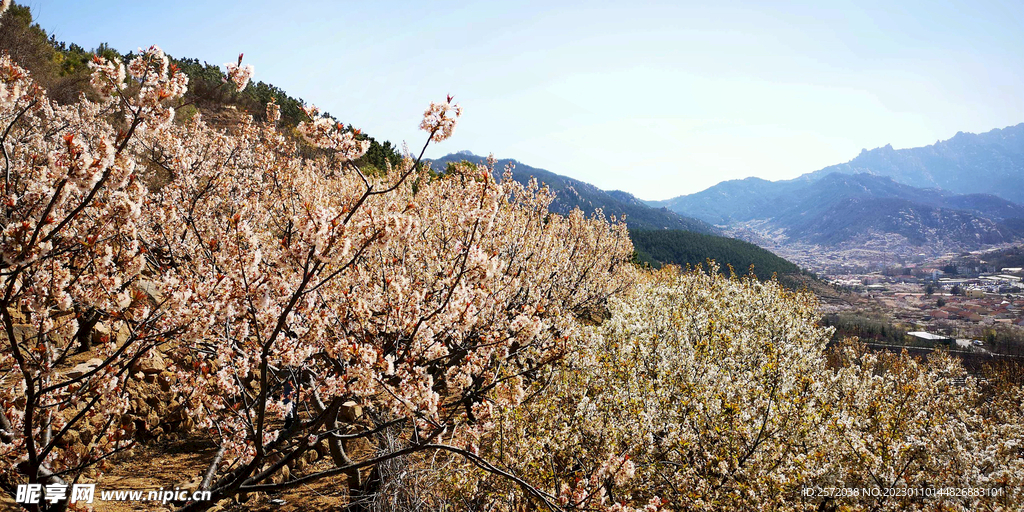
{"x":893,"y":242}
{"x":971,"y":301}
{"x":881,"y":208}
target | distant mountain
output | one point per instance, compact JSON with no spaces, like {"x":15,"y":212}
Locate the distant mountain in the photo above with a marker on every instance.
{"x":755,"y":198}
{"x":835,"y":195}
{"x":965,"y":201}
{"x":860,"y":218}
{"x":984,"y":163}
{"x":571,"y":193}
{"x":659,"y":235}
{"x":732,"y":200}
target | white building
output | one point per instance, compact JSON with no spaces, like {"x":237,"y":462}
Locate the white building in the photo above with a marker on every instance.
{"x":927,"y":336}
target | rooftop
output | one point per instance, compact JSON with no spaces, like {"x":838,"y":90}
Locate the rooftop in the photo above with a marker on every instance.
{"x":928,"y":336}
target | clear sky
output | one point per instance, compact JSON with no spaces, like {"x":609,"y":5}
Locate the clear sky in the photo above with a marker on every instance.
{"x":656,"y":98}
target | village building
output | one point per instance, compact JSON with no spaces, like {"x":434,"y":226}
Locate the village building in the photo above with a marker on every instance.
{"x":927,"y":336}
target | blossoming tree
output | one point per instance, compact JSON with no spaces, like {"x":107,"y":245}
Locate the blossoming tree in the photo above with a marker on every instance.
{"x":71,"y":259}
{"x":305,"y":306}
{"x":703,"y":392}
{"x":404,"y":323}
{"x":326,"y":306}
{"x":696,"y":393}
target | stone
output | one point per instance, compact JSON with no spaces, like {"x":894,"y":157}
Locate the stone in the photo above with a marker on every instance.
{"x":85,"y":434}
{"x":166,"y":379}
{"x":79,"y":371}
{"x":83,"y":368}
{"x":350,"y":411}
{"x":122,"y":334}
{"x":152,"y":420}
{"x":150,"y":365}
{"x":71,"y":437}
{"x":100,"y":333}
{"x":17,"y":316}
{"x":140,"y":405}
{"x":24,"y":332}
{"x":103,"y":334}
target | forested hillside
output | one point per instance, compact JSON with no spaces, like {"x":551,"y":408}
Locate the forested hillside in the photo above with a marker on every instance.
{"x":686,"y":248}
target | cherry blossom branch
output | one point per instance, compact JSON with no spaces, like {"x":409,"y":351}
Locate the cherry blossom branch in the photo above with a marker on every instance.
{"x":3,"y":144}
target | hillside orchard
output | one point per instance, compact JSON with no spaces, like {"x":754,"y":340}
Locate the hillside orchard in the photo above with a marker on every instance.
{"x":435,"y":340}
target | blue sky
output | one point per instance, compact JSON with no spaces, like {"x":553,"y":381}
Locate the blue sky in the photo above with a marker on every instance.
{"x":655,"y":98}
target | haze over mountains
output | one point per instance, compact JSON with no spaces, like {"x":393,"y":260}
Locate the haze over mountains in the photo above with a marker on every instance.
{"x":965,"y":192}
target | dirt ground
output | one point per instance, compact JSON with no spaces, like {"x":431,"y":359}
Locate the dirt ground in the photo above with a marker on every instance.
{"x":167,"y":463}
{"x":180,"y":464}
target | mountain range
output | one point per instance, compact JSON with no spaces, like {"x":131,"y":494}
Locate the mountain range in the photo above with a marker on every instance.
{"x":660,"y":236}
{"x":961,"y":193}
{"x":572,"y":193}
{"x":968,"y":163}
{"x":964,"y":193}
